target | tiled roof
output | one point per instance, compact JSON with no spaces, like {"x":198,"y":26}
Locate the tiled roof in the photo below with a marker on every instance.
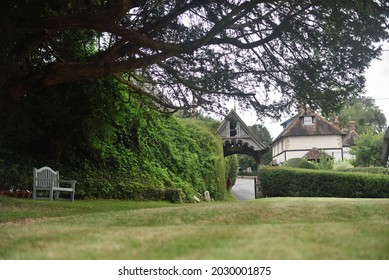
{"x":316,"y":154}
{"x":319,"y":126}
{"x":350,"y":138}
{"x":244,"y":127}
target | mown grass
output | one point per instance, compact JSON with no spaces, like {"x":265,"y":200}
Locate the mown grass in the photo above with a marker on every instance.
{"x":276,"y":228}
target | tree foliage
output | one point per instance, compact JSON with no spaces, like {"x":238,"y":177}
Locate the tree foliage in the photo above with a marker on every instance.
{"x":366,"y":114}
{"x":195,"y":52}
{"x":62,"y":121}
{"x":368,"y":149}
{"x":232,"y":168}
{"x":262,"y":133}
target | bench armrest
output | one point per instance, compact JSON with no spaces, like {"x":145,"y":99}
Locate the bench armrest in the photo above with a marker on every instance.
{"x":71,"y":182}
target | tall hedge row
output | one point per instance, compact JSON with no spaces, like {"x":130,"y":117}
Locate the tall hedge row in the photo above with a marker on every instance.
{"x":281,"y":181}
{"x":155,"y":158}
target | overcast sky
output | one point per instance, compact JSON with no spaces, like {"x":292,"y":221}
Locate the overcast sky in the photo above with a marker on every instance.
{"x":377,"y":87}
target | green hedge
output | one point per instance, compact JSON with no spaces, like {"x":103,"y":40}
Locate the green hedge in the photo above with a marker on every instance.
{"x":299,"y":163}
{"x":91,"y":184}
{"x":232,"y":167}
{"x":281,"y":181}
{"x":170,"y":159}
{"x":372,"y":170}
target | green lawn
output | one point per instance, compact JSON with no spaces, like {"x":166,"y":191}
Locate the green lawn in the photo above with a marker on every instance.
{"x":272,"y":228}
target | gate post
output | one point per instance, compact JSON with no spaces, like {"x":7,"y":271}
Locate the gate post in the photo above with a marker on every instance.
{"x":255,"y":188}
{"x":257,"y":185}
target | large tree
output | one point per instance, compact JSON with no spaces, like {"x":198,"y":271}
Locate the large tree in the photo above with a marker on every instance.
{"x":366,"y":114}
{"x":368,"y":149}
{"x":262,"y":133}
{"x":195,"y":52}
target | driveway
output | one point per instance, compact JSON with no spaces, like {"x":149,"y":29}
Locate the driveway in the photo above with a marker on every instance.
{"x":243,"y":189}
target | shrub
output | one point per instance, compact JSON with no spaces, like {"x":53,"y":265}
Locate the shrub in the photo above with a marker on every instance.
{"x":342,"y":165}
{"x":281,"y":181}
{"x":232,"y":168}
{"x":299,"y":163}
{"x":324,"y":164}
{"x":368,"y":149}
{"x":15,"y":176}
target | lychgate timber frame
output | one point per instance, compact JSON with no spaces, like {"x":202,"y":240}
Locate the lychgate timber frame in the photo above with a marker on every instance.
{"x":238,"y":139}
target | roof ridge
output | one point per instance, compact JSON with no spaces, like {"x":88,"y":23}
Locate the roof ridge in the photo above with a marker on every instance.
{"x":251,"y":134}
{"x":307,"y":130}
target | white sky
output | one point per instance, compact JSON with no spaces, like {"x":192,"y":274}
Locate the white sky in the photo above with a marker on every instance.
{"x":377,"y":87}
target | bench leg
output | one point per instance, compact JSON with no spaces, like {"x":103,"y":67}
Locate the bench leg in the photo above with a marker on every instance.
{"x":51,"y":194}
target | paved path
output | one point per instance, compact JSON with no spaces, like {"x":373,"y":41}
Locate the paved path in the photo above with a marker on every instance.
{"x":243,"y":189}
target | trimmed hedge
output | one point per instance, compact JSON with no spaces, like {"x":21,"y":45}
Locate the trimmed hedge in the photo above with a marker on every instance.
{"x":281,"y":181}
{"x":372,"y":170}
{"x":299,"y":163}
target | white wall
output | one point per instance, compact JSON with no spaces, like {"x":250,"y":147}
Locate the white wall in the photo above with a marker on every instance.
{"x":308,"y":142}
{"x":297,"y":147}
{"x":346,"y":154}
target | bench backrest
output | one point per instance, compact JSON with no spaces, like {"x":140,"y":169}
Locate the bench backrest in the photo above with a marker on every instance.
{"x":46,"y":177}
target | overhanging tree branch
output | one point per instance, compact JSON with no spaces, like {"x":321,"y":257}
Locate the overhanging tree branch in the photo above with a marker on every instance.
{"x":140,"y":90}
{"x":209,"y":49}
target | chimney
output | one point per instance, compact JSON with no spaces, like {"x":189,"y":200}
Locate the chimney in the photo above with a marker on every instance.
{"x":352,"y":125}
{"x":336,"y":121}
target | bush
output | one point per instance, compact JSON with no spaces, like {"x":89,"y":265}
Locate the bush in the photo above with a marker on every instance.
{"x":232,"y":168}
{"x":324,"y":164}
{"x":368,"y":149}
{"x":371,"y":170}
{"x":280,"y":181}
{"x":15,"y":176}
{"x":299,"y":163}
{"x":342,"y":165}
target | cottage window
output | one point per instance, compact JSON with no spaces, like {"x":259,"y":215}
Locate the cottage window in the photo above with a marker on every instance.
{"x":307,"y":121}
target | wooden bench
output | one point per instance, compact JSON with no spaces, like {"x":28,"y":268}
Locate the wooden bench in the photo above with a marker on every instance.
{"x":46,"y":179}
